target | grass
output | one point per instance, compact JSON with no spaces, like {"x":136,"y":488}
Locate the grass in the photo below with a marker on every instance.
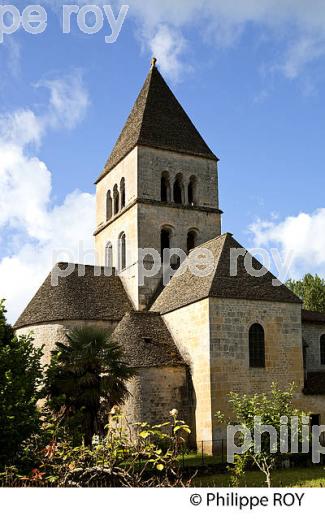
{"x":295,"y":477}
{"x":195,"y":459}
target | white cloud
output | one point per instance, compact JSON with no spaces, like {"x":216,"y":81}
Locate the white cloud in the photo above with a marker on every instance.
{"x":300,"y":237}
{"x":300,"y":54}
{"x":33,"y":230}
{"x":10,"y":58}
{"x":168,"y":44}
{"x":68,"y":101}
{"x":299,"y":26}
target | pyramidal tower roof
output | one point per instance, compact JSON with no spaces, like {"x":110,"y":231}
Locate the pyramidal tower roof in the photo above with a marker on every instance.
{"x":221,"y":282}
{"x":158,"y":120}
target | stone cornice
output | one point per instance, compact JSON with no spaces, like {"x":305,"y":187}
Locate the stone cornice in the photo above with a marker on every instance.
{"x":152,"y":202}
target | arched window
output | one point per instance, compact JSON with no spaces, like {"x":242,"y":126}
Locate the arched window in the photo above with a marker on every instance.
{"x":109,"y":208}
{"x":178,"y":191}
{"x":191,"y":240}
{"x":191,"y":191}
{"x":165,"y":239}
{"x":322,"y":350}
{"x":256,"y":346}
{"x":122,"y":251}
{"x":165,"y":187}
{"x":116,"y":199}
{"x":122,"y":192}
{"x":109,"y":255}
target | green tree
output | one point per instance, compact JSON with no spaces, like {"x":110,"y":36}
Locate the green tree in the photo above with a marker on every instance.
{"x":85,"y":379}
{"x":269,"y":409}
{"x":20,"y":380}
{"x":311,"y":289}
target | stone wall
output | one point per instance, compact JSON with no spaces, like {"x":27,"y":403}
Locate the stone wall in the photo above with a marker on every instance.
{"x":312,"y":333}
{"x":230,"y":321}
{"x":155,"y":391}
{"x":153,"y":162}
{"x":126,"y":169}
{"x":189,"y":327}
{"x":145,"y":215}
{"x":48,"y":333}
{"x":126,"y":222}
{"x":213,"y":337}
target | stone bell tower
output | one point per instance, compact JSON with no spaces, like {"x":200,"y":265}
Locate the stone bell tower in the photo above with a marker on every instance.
{"x":158,"y":190}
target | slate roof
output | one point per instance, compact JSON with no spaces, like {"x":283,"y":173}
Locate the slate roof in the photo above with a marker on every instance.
{"x":315,"y":383}
{"x":157,"y":120}
{"x":313,"y":317}
{"x":76,"y":297}
{"x":188,"y":288}
{"x":146,"y":341}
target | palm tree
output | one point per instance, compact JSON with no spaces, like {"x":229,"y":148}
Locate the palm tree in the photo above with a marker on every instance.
{"x":85,"y":379}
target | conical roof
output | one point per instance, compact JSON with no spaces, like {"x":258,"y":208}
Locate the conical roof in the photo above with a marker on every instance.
{"x":146,"y":341}
{"x":87,"y":293}
{"x":222,"y":280}
{"x":158,"y":120}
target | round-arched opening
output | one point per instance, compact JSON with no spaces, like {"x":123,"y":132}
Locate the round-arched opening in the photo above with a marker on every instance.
{"x":122,"y":192}
{"x":191,"y":240}
{"x":165,"y":187}
{"x":116,"y":199}
{"x":109,"y":205}
{"x":256,"y":346}
{"x":122,"y":251}
{"x":178,"y":190}
{"x":192,"y":191}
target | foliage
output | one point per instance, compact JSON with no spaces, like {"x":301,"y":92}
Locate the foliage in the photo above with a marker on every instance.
{"x":20,"y":380}
{"x":85,"y":379}
{"x":270,"y":408}
{"x":311,"y":289}
{"x":144,"y":457}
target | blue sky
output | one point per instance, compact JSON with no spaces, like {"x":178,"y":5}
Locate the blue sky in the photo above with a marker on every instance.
{"x":251,"y":74}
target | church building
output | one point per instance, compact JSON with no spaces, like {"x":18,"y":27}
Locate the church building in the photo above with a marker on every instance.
{"x":208,"y":330}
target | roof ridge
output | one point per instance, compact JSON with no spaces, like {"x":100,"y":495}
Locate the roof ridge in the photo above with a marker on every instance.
{"x":149,"y":78}
{"x":158,"y":120}
{"x":221,"y":282}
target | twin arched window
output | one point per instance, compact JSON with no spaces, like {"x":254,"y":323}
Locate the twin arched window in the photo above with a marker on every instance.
{"x":121,"y":253}
{"x":117,"y":202}
{"x":256,"y":346}
{"x":322,"y":350}
{"x":177,"y":194}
